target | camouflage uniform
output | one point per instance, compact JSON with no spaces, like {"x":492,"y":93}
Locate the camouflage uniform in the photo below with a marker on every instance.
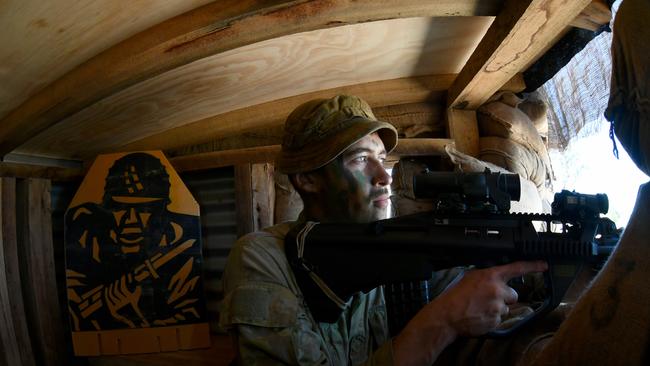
{"x":265,"y":310}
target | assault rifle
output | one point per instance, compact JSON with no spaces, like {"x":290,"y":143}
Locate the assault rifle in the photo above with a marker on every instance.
{"x":470,"y":226}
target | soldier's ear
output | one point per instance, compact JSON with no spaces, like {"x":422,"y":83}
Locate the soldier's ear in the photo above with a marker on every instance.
{"x":307,"y":182}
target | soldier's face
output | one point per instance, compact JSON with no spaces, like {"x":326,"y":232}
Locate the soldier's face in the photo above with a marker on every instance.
{"x":355,"y":187}
{"x":132,"y":218}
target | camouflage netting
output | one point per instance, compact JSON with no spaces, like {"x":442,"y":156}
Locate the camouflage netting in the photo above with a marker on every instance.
{"x":577,"y":95}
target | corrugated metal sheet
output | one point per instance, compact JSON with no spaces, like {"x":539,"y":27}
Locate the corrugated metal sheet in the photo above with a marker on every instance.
{"x":214,"y":190}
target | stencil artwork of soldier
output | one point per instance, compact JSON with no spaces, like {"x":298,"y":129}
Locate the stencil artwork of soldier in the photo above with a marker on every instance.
{"x":130,"y":262}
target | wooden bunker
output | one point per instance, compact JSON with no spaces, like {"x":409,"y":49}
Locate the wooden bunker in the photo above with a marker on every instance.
{"x":210,"y":83}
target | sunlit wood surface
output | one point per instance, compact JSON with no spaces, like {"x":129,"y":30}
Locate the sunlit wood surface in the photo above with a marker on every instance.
{"x":263,"y":72}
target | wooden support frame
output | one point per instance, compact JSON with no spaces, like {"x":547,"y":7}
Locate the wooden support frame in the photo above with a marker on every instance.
{"x":243,"y":199}
{"x":521,"y":32}
{"x":211,"y":29}
{"x":419,"y":89}
{"x":266,"y":154}
{"x":36,"y":258}
{"x":463,"y":130}
{"x":263,"y":183}
{"x":45,"y":172}
{"x":14,"y":334}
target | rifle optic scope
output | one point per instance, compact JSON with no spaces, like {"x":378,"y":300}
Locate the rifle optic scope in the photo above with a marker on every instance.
{"x":497,"y":188}
{"x":578,"y":205}
{"x":478,"y":185}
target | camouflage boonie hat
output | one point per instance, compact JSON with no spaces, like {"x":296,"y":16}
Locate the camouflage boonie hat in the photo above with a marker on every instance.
{"x":318,"y":131}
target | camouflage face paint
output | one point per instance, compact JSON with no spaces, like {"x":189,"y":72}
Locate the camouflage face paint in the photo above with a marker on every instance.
{"x":351,"y":186}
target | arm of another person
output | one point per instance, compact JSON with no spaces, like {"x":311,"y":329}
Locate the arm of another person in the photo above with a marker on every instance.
{"x":471,"y":307}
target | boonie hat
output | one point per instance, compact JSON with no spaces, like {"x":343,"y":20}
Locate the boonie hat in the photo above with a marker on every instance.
{"x":318,"y":131}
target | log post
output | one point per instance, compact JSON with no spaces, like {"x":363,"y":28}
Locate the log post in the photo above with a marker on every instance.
{"x":15,"y":345}
{"x":244,"y":199}
{"x":36,"y":260}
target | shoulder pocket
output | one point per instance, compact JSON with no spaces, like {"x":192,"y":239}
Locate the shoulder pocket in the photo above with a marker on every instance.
{"x":260,"y":304}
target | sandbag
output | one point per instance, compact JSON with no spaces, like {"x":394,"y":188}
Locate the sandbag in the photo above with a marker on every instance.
{"x":530,"y":200}
{"x":500,"y":117}
{"x":403,"y":199}
{"x":537,"y":111}
{"x":514,"y":157}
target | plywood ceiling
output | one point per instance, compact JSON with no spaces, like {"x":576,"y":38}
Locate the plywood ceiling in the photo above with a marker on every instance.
{"x":262,"y":72}
{"x":42,"y":40}
{"x":79,"y":78}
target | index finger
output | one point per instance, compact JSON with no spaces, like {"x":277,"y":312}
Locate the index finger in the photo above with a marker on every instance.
{"x":517,"y":269}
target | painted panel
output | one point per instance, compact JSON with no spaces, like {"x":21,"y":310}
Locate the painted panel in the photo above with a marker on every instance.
{"x":133,"y":259}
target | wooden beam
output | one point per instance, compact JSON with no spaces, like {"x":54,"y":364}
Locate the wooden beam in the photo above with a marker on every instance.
{"x":463,"y":130}
{"x":41,"y":161}
{"x":421,"y":147}
{"x":33,"y":171}
{"x":263,"y":195}
{"x":212,"y":29}
{"x":516,"y":84}
{"x":410,"y":120}
{"x":267,"y":154}
{"x":421,"y":89}
{"x":244,"y":199}
{"x":38,"y":273}
{"x":593,"y":16}
{"x":14,"y":334}
{"x":219,"y":159}
{"x":521,"y":32}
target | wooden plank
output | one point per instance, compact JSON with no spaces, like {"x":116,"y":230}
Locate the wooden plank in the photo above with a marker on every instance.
{"x":593,"y":16}
{"x":463,"y":129}
{"x":38,"y":273}
{"x":411,"y":120}
{"x":33,"y":171}
{"x":244,"y":199}
{"x":209,"y":30}
{"x":263,"y":195}
{"x":216,"y":85}
{"x":221,"y":353}
{"x":322,"y":59}
{"x":14,"y":334}
{"x":219,"y":159}
{"x":42,"y":40}
{"x":267,"y":154}
{"x":42,"y":161}
{"x":273,"y":114}
{"x":421,"y":147}
{"x":521,"y":32}
{"x":516,"y":84}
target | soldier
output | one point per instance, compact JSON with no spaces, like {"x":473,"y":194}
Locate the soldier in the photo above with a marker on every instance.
{"x":131,"y":262}
{"x":333,"y":151}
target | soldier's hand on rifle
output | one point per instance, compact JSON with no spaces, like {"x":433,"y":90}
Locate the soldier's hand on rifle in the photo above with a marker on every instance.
{"x":472,"y":306}
{"x":121,"y":293}
{"x":476,"y":304}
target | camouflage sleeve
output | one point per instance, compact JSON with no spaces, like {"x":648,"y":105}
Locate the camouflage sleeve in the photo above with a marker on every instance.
{"x":263,"y":310}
